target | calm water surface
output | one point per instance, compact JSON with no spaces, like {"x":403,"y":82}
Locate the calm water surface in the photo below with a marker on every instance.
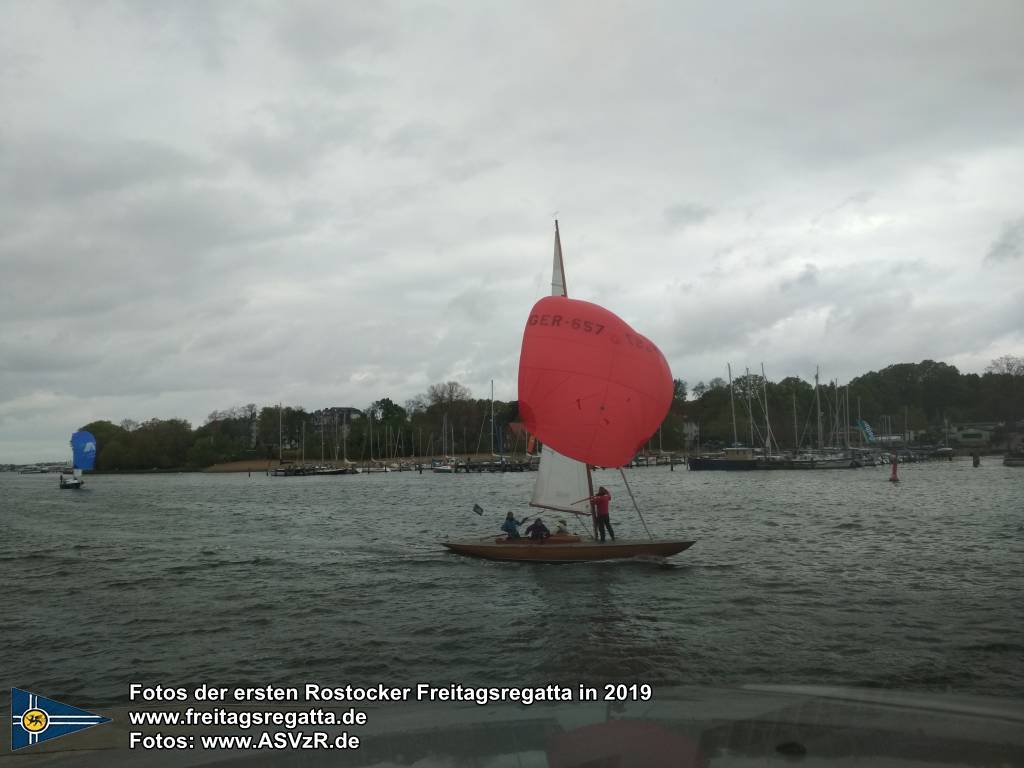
{"x":830,"y":577}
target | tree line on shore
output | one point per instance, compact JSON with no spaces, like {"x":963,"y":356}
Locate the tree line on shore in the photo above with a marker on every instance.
{"x":923,"y":398}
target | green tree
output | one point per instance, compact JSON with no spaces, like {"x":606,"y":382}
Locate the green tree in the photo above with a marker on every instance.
{"x":110,"y":451}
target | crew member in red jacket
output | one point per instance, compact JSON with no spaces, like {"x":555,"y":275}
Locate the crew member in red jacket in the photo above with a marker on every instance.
{"x":601,"y":499}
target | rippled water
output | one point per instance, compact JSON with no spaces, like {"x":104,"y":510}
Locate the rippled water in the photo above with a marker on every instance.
{"x":797,"y":577}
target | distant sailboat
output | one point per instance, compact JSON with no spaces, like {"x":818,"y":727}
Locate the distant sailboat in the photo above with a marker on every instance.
{"x":447,"y":464}
{"x":83,"y":451}
{"x":584,"y":415}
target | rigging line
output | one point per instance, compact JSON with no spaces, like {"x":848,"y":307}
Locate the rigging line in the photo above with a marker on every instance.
{"x":480,"y":439}
{"x":635,"y":505}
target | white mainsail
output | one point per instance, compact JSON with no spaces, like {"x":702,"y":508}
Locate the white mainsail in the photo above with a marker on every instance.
{"x":558,"y":268}
{"x":560,"y":480}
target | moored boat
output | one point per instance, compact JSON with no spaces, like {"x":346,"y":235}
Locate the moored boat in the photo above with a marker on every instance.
{"x":731,"y":460}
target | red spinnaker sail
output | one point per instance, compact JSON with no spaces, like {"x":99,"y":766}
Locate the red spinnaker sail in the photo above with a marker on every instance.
{"x":589,"y":385}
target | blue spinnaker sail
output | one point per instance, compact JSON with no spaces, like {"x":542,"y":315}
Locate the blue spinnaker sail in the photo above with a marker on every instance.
{"x":83,"y":448}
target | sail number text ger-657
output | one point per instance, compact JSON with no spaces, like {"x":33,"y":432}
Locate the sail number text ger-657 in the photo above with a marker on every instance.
{"x":587,"y":326}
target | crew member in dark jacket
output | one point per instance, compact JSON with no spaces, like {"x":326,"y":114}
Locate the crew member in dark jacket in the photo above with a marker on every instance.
{"x":537,"y":530}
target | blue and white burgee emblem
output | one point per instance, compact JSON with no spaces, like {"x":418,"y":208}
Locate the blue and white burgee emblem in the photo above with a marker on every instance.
{"x":36,"y":718}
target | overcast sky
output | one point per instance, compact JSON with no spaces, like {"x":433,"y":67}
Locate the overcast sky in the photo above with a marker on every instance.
{"x":207,"y":204}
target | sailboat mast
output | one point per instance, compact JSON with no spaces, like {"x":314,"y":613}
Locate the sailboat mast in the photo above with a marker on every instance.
{"x":750,"y":410}
{"x":846,"y":424}
{"x":860,"y":425}
{"x":562,"y":482}
{"x":558,"y":273}
{"x":732,"y":405}
{"x":837,"y":404}
{"x":817,"y":400}
{"x":767,"y":426}
{"x":492,"y":418}
{"x":796,"y":429}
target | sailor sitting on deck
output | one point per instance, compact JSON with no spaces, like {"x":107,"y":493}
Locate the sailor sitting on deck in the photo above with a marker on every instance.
{"x":538,"y":530}
{"x":561,"y":529}
{"x":511,"y":526}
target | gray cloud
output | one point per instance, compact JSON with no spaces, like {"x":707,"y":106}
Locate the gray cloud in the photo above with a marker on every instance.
{"x":292,"y":138}
{"x":1010,"y":243}
{"x":807,"y":279}
{"x":62,"y":168}
{"x":686,"y":214}
{"x":325,"y":204}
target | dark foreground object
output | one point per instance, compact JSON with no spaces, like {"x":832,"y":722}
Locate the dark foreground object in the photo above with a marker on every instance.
{"x":679,"y":727}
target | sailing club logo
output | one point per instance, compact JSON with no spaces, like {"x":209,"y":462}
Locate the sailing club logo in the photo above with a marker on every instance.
{"x":35,"y":718}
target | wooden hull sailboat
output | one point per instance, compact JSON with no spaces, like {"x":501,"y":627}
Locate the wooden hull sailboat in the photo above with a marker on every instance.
{"x":572,"y":350}
{"x":554,"y":550}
